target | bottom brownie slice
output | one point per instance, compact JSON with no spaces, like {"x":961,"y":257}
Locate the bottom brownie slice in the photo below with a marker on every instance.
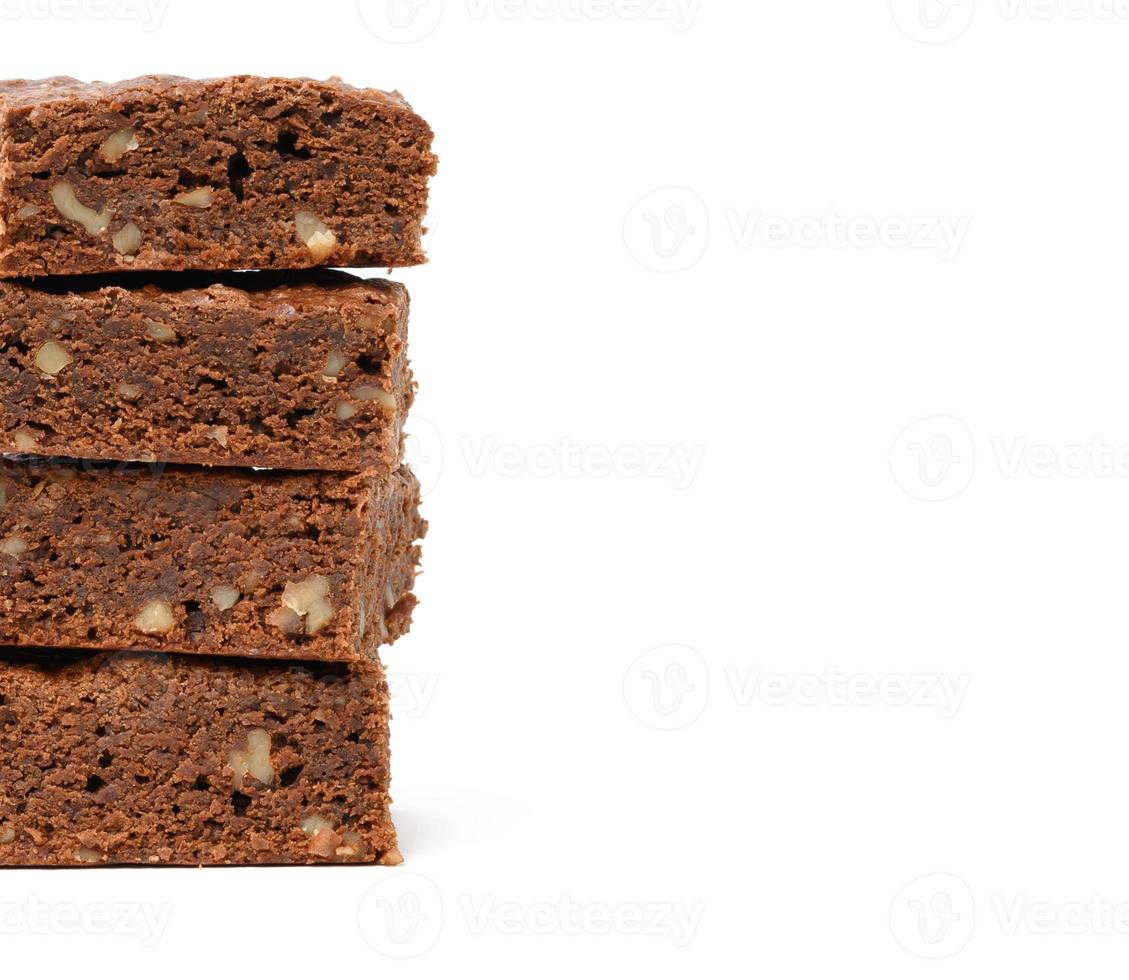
{"x":148,"y":758}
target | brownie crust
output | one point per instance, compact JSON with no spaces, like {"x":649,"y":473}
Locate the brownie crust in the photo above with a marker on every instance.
{"x":300,"y":372}
{"x":167,"y":173}
{"x":143,"y":758}
{"x":304,"y":566}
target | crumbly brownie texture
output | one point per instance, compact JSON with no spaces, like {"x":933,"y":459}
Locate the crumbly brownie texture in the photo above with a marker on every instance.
{"x":242,"y":370}
{"x":304,"y":566}
{"x":231,"y":173}
{"x":142,"y":758}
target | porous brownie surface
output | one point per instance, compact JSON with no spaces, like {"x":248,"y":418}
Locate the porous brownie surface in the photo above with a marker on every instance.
{"x":232,"y":173}
{"x":294,"y":565}
{"x":298,"y":372}
{"x":142,"y":758}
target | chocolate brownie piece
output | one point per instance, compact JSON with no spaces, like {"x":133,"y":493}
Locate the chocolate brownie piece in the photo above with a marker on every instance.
{"x":143,"y":758}
{"x":230,"y":173}
{"x":292,"y":565}
{"x":297,"y":372}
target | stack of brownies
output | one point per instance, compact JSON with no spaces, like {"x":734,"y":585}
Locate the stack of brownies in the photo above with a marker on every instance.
{"x":206,"y":530}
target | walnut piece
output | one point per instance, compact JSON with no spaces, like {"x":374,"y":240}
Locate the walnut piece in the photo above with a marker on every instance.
{"x":127,"y":240}
{"x":25,"y":440}
{"x":225,"y":596}
{"x":51,"y":358}
{"x":286,"y":620}
{"x":118,"y":144}
{"x":86,"y":855}
{"x":308,"y":598}
{"x":129,"y":392}
{"x":312,"y":824}
{"x":373,"y":393}
{"x":324,"y":843}
{"x":315,"y":234}
{"x":155,"y":617}
{"x":252,"y":759}
{"x":350,"y":847}
{"x":160,"y":332}
{"x":7,"y":835}
{"x":219,"y":434}
{"x":28,"y":211}
{"x":13,"y":546}
{"x":201,"y":197}
{"x":344,"y":411}
{"x":334,"y":364}
{"x":390,"y":859}
{"x":69,"y":206}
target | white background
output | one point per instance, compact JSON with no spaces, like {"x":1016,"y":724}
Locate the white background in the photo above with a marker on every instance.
{"x":773,"y":414}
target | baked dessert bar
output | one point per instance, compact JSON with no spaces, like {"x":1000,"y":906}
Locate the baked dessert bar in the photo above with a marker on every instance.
{"x":313,"y":566}
{"x":296,"y":372}
{"x":229,"y":173}
{"x":144,"y":758}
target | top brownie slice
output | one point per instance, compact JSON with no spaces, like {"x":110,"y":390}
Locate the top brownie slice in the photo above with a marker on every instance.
{"x":165,"y":173}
